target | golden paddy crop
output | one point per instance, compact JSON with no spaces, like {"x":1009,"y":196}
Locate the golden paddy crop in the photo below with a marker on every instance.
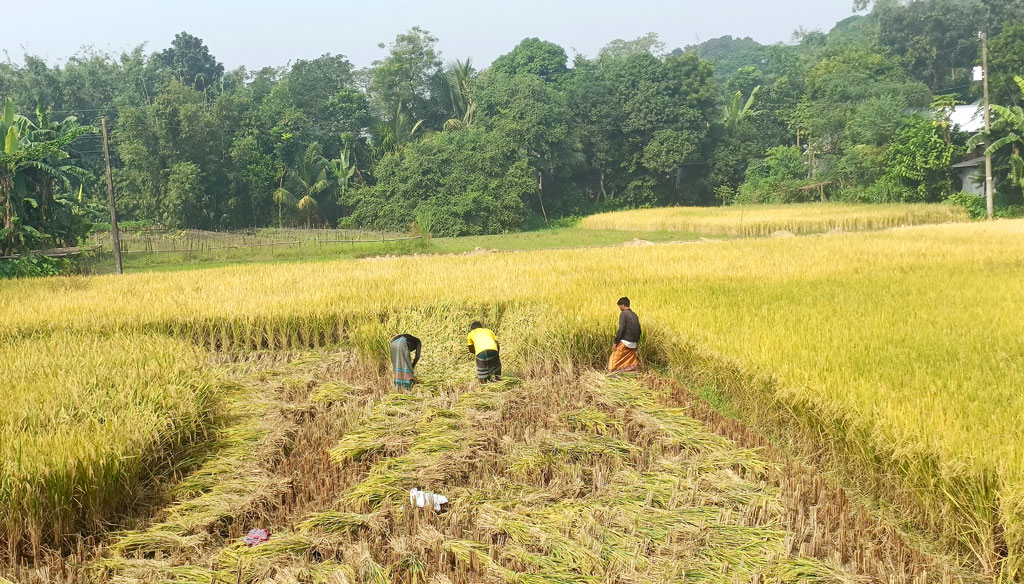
{"x":897,"y":352}
{"x":87,"y":420}
{"x":762,"y":220}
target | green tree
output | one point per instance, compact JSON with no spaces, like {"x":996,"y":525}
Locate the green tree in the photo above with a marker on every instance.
{"x":186,"y":197}
{"x":850,"y":86}
{"x":401,"y":82}
{"x":1006,"y":52}
{"x":189,"y":60}
{"x":936,"y":40}
{"x":621,"y":49}
{"x":533,"y":57}
{"x":533,"y":115}
{"x":919,"y":159}
{"x":252,"y":176}
{"x":469,"y":181}
{"x":739,"y":109}
{"x":316,"y":101}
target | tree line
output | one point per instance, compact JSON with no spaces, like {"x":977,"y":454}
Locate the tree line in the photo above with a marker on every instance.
{"x":860,"y":113}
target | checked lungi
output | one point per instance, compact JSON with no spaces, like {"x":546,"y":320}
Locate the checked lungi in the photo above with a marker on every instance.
{"x":401,"y":363}
{"x":488,"y":365}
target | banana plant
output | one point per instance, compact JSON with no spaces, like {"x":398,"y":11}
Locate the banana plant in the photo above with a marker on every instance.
{"x":344,"y":169}
{"x":737,"y":110}
{"x":1009,"y":126}
{"x":27,"y":167}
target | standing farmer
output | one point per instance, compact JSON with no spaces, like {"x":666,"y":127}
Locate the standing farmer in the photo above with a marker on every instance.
{"x":402,"y":362}
{"x":482,"y":343}
{"x":624,"y":357}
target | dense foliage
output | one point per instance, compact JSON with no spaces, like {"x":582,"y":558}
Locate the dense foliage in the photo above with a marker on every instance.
{"x":862,"y":110}
{"x":37,"y":184}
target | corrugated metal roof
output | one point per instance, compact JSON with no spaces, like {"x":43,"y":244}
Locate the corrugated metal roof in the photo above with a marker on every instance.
{"x":970,"y":163}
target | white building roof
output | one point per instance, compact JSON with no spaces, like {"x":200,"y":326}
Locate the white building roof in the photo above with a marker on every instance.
{"x":969,"y":118}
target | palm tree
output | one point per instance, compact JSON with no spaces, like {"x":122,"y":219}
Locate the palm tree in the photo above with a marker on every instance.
{"x":461,"y":94}
{"x":392,"y":135}
{"x":282,"y":197}
{"x":309,"y":207}
{"x":1009,"y":123}
{"x":307,"y":181}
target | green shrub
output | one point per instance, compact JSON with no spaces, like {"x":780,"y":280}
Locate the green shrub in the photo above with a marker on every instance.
{"x":1010,"y":212}
{"x":35,"y":266}
{"x":974,"y":204}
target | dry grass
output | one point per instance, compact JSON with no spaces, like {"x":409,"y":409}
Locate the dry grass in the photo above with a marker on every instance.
{"x":762,"y":220}
{"x":898,"y":352}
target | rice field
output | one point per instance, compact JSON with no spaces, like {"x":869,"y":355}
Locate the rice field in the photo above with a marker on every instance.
{"x":87,"y":421}
{"x":193,"y":241}
{"x":895,"y":354}
{"x":764,"y":220}
{"x":551,"y":480}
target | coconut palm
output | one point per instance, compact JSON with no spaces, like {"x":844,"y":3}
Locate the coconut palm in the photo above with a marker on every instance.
{"x":307,"y":181}
{"x":461,"y":94}
{"x":391,"y":135}
{"x":309,"y":207}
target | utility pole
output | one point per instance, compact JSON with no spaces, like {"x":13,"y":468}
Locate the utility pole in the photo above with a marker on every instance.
{"x":989,"y":181}
{"x":110,"y":200}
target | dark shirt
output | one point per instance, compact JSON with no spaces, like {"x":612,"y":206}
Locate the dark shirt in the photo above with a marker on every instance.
{"x":415,"y":346}
{"x":629,"y":327}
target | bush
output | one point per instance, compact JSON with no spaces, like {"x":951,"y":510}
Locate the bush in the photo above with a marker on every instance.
{"x":1010,"y":212}
{"x":775,"y":191}
{"x":35,"y":266}
{"x":919,"y":159}
{"x":974,"y":204}
{"x":889,"y":189}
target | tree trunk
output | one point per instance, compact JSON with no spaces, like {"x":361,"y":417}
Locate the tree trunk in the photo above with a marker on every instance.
{"x":6,"y":187}
{"x":540,"y":194}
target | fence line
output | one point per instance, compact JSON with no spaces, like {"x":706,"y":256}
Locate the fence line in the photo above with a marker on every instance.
{"x":323,"y":241}
{"x":320,"y":242}
{"x":59,"y":252}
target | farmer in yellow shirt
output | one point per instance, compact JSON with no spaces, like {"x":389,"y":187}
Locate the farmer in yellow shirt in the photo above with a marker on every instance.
{"x":482,"y":343}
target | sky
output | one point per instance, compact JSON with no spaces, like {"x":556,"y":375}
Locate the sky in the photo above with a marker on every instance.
{"x":256,"y":33}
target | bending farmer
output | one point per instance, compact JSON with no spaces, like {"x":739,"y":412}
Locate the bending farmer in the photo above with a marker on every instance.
{"x":482,"y":343}
{"x":624,"y":357}
{"x":402,"y":362}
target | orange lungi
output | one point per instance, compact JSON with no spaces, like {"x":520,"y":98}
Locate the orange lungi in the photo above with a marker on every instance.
{"x":623,"y":360}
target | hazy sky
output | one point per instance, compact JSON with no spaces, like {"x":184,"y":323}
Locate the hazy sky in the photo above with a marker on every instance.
{"x":255,"y":33}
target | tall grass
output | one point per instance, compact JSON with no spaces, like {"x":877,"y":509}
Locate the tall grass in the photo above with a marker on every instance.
{"x":85,"y":421}
{"x":898,"y":351}
{"x":762,"y":220}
